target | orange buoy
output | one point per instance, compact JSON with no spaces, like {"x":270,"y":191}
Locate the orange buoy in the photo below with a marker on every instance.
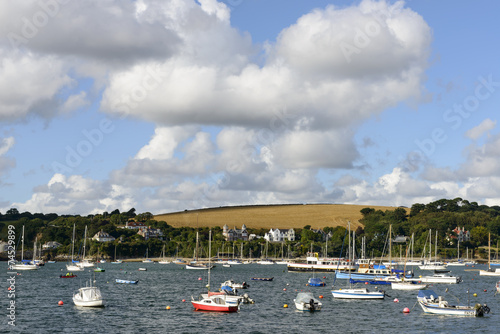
{"x":320,"y":296}
{"x":406,"y":310}
{"x":60,"y":303}
{"x":168,"y":307}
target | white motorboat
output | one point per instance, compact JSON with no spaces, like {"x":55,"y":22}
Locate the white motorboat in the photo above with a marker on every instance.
{"x":438,"y":278}
{"x":88,"y":296}
{"x":305,"y":301}
{"x":490,"y":271}
{"x":230,"y":283}
{"x":408,"y":285}
{"x":431,"y":303}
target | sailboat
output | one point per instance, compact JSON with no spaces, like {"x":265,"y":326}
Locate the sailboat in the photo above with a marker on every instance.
{"x":356,"y":293}
{"x":213,"y":302}
{"x":147,"y":259}
{"x":266,"y":260}
{"x":88,"y":296}
{"x":115,"y":260}
{"x":432,"y":265}
{"x":163,"y":260}
{"x":85,"y":263}
{"x":72,"y":266}
{"x":196,"y":265}
{"x":457,"y":262}
{"x":24,"y":264}
{"x":489,"y":271}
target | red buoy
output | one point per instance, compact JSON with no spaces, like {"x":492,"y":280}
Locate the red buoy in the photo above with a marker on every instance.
{"x":406,"y":310}
{"x":60,"y":303}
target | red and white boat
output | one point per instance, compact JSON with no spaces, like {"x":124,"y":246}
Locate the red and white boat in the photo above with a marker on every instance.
{"x":214,"y":302}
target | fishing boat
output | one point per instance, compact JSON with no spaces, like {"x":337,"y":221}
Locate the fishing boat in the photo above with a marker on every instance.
{"x":126,"y":281}
{"x":88,"y":296}
{"x":305,"y":301}
{"x":213,"y":302}
{"x":432,"y":303}
{"x":24,"y":264}
{"x":490,"y":271}
{"x":72,"y":266}
{"x":355,"y":293}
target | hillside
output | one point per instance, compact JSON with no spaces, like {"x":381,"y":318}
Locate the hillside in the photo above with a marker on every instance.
{"x":271,"y":216}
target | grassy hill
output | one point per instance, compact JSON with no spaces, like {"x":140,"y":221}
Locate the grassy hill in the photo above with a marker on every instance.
{"x":271,"y":216}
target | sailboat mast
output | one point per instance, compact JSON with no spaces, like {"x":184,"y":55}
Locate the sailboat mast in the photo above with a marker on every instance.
{"x":390,"y":246}
{"x":436,"y":247}
{"x":73,"y":245}
{"x":22,"y":245}
{"x":209,"y":256}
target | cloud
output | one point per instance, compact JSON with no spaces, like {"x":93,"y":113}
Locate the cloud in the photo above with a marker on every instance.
{"x":478,"y":131}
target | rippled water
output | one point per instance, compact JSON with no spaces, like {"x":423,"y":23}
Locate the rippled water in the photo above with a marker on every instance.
{"x":142,"y":307}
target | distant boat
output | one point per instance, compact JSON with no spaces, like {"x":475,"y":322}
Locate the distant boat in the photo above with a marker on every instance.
{"x":233,"y":285}
{"x":490,"y":271}
{"x":408,"y":285}
{"x":438,"y":278}
{"x":163,"y":260}
{"x":267,"y":279}
{"x":320,"y":264}
{"x":88,"y":296}
{"x":143,"y":269}
{"x":147,"y":259}
{"x":125,"y":281}
{"x":24,"y":264}
{"x":72,"y":265}
{"x":314,"y":281}
{"x":305,"y":301}
{"x":99,"y":270}
{"x":68,"y":275}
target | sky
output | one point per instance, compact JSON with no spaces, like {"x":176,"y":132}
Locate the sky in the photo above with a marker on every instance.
{"x":174,"y":105}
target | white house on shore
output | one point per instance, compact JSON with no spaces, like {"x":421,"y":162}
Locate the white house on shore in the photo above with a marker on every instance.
{"x":102,"y":236}
{"x":278,"y":235}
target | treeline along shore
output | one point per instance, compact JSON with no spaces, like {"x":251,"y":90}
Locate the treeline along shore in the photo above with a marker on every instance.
{"x":319,"y":228}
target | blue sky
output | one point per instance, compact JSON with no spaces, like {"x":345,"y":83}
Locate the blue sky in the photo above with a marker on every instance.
{"x":175,"y":105}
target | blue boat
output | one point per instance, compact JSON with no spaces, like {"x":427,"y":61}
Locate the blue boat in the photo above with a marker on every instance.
{"x":315,"y":282}
{"x":125,"y":281}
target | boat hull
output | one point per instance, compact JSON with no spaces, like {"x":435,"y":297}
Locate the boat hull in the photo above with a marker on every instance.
{"x":357,"y":294}
{"x":123,"y":281}
{"x":24,"y":267}
{"x":407,"y":286}
{"x":212,"y":307}
{"x":464,"y":311}
{"x":496,"y":272}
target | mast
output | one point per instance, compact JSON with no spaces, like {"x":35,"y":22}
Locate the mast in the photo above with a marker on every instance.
{"x":84,"y":241}
{"x":390,"y":247}
{"x":436,"y":248}
{"x":489,"y":248}
{"x":22,"y":245}
{"x":209,"y":257}
{"x":73,"y":244}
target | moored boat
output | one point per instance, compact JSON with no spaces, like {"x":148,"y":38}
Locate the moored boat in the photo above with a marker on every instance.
{"x":320,"y":264}
{"x":430,"y":302}
{"x":88,"y":296}
{"x":126,"y":281}
{"x":305,"y":301}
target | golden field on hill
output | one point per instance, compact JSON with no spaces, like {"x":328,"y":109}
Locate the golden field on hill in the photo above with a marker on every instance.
{"x":271,"y":216}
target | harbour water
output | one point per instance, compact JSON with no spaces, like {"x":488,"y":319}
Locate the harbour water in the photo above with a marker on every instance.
{"x":142,"y":308}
